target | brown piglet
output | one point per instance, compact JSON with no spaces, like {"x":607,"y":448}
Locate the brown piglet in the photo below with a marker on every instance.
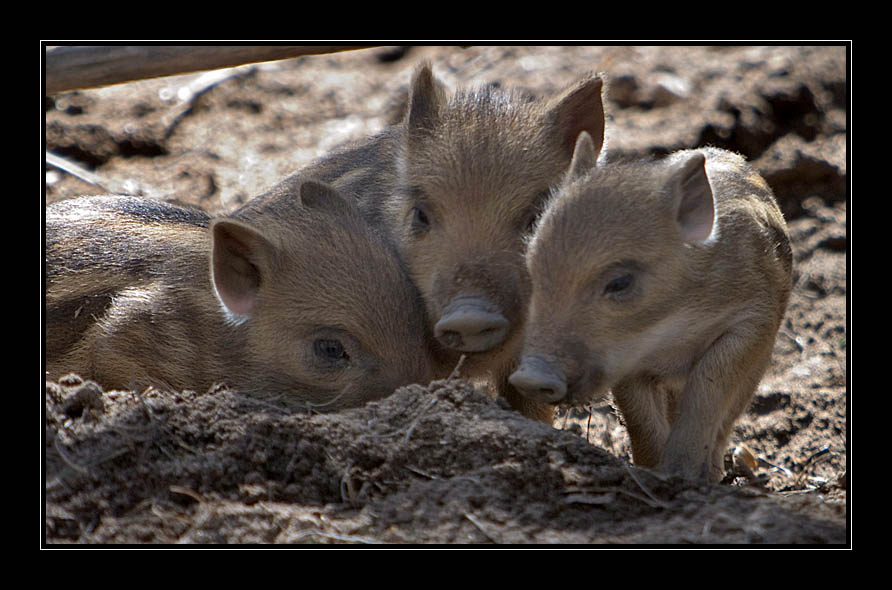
{"x":664,"y":282}
{"x":313,"y":312}
{"x":458,"y":184}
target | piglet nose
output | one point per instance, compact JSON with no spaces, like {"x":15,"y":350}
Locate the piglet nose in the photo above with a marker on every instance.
{"x":539,"y":380}
{"x":469,"y":324}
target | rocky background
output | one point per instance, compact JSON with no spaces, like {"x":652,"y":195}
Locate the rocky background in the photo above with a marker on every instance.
{"x":441,"y":462}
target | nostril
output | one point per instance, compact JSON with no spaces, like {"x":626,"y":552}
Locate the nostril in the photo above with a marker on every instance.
{"x":539,"y":380}
{"x":542,"y":392}
{"x":536,"y":391}
{"x":450,"y":338}
{"x":470,"y":325}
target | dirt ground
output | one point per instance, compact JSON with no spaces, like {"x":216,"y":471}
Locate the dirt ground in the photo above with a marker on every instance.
{"x":443,"y":463}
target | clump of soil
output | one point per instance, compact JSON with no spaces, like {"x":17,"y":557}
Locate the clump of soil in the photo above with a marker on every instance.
{"x":443,"y":462}
{"x":437,"y":464}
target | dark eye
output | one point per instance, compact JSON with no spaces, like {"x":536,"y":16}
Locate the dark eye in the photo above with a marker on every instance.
{"x":619,"y":285}
{"x":330,"y":350}
{"x":533,"y":216}
{"x":420,"y":223}
{"x":529,"y":222}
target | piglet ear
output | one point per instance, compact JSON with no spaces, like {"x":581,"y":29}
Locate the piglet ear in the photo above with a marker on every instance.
{"x":693,"y":199}
{"x":577,"y":109}
{"x":585,"y":156}
{"x":426,"y":96}
{"x":318,"y":195}
{"x":240,"y":258}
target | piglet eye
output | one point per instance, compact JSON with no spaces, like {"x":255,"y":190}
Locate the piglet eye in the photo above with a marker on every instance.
{"x":536,"y":211}
{"x":330,"y":350}
{"x":420,"y":222}
{"x":530,"y":223}
{"x":619,"y":285}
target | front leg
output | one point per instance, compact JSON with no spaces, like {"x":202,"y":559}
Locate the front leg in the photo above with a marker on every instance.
{"x":719,"y":387}
{"x":643,"y":405}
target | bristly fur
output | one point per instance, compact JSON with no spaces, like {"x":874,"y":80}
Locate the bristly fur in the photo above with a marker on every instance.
{"x":479,"y":162}
{"x":135,"y":275}
{"x":662,"y":281}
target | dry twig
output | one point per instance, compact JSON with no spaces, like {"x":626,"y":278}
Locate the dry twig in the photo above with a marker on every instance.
{"x":88,"y":66}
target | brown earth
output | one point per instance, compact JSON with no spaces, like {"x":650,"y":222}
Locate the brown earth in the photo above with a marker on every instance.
{"x":444,"y":463}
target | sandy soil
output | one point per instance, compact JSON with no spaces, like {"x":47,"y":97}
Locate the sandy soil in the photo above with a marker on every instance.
{"x":443,"y":463}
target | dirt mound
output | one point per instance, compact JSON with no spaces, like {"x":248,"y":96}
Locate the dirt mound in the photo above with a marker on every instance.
{"x":438,"y":464}
{"x":445,"y":463}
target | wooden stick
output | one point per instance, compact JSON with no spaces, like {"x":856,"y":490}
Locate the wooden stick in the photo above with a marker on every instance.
{"x":88,"y":66}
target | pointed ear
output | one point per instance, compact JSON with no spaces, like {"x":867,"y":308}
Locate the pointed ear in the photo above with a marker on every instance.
{"x":693,"y":200}
{"x":585,"y":157}
{"x":318,"y":195}
{"x":426,"y":96}
{"x":240,"y":258}
{"x":578,"y":109}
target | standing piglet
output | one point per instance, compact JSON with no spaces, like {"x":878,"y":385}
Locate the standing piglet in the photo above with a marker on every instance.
{"x":458,"y":184}
{"x":664,"y":282}
{"x":315,"y":311}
